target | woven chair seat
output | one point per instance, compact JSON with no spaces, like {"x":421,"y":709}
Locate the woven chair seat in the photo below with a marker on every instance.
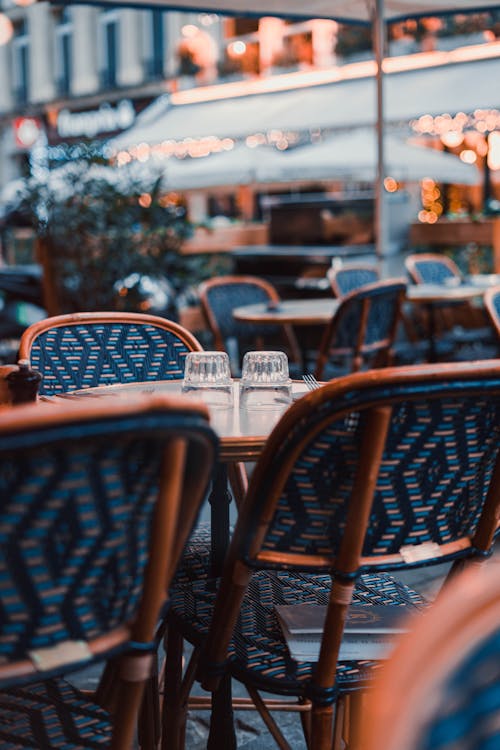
{"x":258,"y":647}
{"x":195,"y":560}
{"x":51,"y":714}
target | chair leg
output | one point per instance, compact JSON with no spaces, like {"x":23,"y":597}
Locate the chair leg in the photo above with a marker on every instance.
{"x":238,"y":479}
{"x":268,"y":720}
{"x":305,"y":719}
{"x":322,"y":727}
{"x":148,"y":730}
{"x":339,"y":723}
{"x":172,"y":709}
{"x":357,"y":701}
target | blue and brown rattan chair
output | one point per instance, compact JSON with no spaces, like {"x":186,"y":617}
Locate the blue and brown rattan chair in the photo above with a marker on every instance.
{"x":492,"y":307}
{"x":461,"y":330}
{"x":97,"y":501}
{"x":441,"y":687}
{"x":378,"y":471}
{"x":220,"y":295}
{"x":362,"y":330}
{"x":432,"y":268}
{"x":351,"y":276}
{"x":84,"y":350}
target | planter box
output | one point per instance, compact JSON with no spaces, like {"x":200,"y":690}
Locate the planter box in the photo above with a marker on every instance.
{"x":445,"y":233}
{"x":224,"y":239}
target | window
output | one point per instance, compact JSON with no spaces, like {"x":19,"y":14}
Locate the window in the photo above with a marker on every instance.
{"x":108,"y":47}
{"x":20,"y":65}
{"x":155,"y":44}
{"x":63,"y":33}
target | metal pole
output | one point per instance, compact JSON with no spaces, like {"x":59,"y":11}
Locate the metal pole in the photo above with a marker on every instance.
{"x":381,"y":228}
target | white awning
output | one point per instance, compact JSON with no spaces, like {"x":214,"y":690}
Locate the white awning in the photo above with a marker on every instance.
{"x":354,"y":156}
{"x":452,"y":88}
{"x":347,"y":156}
{"x":343,"y":10}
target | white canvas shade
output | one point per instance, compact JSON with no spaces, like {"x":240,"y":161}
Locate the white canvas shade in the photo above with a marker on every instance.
{"x":451,"y":88}
{"x":361,"y":11}
{"x":348,"y":156}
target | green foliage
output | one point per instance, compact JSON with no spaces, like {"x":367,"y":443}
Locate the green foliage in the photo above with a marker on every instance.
{"x":101,"y":225}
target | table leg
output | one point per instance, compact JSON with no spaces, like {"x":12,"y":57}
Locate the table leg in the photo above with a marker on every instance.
{"x":222,"y":733}
{"x":220,"y":500}
{"x":431,"y":318}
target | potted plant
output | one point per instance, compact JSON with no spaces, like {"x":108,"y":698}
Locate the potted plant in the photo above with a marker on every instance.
{"x":102,"y":232}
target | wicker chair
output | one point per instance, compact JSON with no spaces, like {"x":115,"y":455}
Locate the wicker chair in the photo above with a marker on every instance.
{"x":362,"y":330}
{"x":84,"y":350}
{"x":384,"y":470}
{"x":220,"y":295}
{"x":351,"y":276}
{"x":492,"y":306}
{"x":441,"y":687}
{"x":97,"y":501}
{"x":431,"y":268}
{"x":461,"y":330}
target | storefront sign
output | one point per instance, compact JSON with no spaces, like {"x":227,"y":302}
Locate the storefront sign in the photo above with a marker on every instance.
{"x":105,"y":119}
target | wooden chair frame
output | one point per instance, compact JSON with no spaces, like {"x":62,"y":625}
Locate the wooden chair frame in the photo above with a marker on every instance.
{"x":492,"y":309}
{"x":187,"y":441}
{"x":267,"y":483}
{"x":359,"y":350}
{"x":403,"y":700}
{"x":58,"y":321}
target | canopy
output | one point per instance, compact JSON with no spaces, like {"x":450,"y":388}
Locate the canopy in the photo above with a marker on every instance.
{"x":361,"y":11}
{"x":354,"y":156}
{"x":451,"y":88}
{"x":365,"y":11}
{"x":348,"y":156}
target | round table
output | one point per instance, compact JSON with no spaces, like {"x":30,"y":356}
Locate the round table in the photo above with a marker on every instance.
{"x":319,"y":311}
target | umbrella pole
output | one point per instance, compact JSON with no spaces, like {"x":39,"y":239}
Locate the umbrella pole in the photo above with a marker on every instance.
{"x":381,"y":225}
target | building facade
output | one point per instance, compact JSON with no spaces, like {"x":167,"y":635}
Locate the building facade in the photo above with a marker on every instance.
{"x":78,"y":73}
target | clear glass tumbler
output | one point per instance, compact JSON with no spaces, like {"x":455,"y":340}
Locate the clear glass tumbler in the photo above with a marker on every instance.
{"x":207,"y":376}
{"x":265,"y":382}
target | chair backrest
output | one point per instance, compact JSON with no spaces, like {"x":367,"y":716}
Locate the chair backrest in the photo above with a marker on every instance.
{"x":381,"y":470}
{"x":220,"y":295}
{"x":431,"y":268}
{"x":97,"y":501}
{"x":441,"y":686}
{"x":351,"y":276}
{"x":492,"y":307}
{"x":84,"y":350}
{"x":363,"y":327}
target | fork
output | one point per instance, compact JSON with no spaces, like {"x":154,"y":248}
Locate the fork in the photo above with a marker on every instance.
{"x":310,"y":382}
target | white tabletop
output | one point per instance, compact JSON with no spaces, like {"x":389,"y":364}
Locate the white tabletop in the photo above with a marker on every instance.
{"x":242,"y":432}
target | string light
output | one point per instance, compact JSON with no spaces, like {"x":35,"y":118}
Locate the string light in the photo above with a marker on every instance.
{"x":6,"y":29}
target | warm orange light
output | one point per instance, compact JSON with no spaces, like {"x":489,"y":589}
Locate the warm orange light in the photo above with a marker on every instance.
{"x":452,"y":139}
{"x":468,"y":156}
{"x":391,"y":185}
{"x":236,"y":49}
{"x":494,"y":150}
{"x":145,"y":200}
{"x":6,"y":29}
{"x":189,"y":30}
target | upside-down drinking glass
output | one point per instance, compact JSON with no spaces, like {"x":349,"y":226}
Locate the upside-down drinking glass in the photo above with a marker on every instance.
{"x":207,"y":376}
{"x":265,"y":382}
